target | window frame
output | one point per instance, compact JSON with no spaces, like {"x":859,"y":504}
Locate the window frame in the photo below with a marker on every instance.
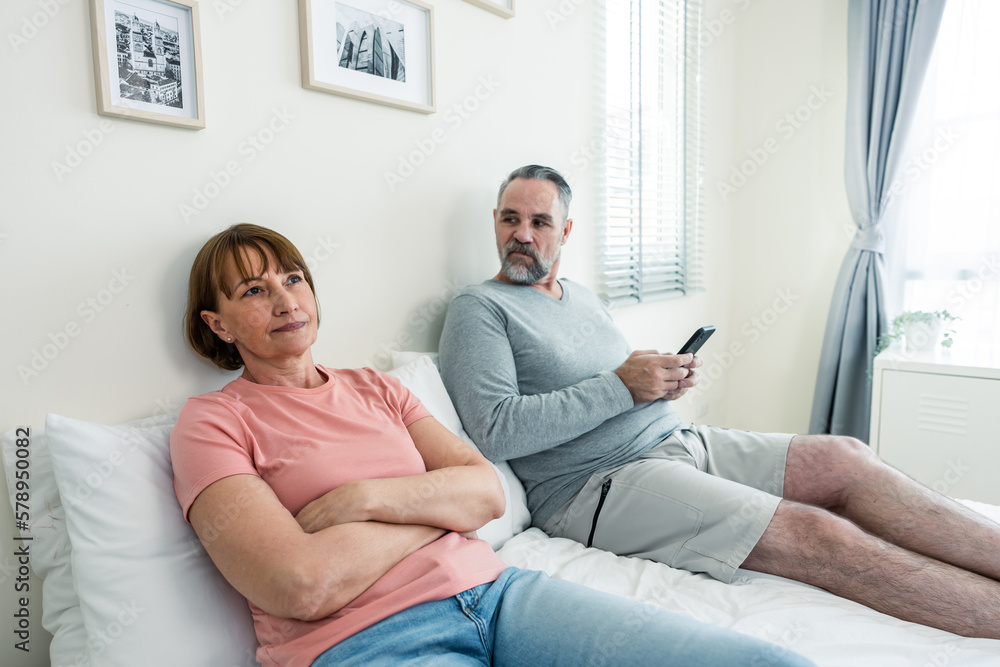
{"x":651,"y":175}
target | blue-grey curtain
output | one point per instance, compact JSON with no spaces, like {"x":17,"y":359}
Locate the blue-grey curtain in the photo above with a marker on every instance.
{"x":889,"y":45}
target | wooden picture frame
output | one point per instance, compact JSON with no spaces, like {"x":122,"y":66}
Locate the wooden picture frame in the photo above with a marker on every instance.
{"x":374,"y":50}
{"x":504,"y":8}
{"x":147,"y":61}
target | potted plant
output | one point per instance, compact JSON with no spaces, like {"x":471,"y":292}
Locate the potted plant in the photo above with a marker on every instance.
{"x":920,"y":329}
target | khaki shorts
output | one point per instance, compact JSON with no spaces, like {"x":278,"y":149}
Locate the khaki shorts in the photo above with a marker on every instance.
{"x":698,"y":501}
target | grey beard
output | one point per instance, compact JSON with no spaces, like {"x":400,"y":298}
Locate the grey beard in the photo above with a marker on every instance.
{"x":525,"y":274}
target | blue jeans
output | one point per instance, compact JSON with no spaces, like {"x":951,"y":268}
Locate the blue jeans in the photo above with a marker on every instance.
{"x":525,"y":618}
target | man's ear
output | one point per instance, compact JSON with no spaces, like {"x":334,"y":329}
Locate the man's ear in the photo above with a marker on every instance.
{"x":567,"y":228}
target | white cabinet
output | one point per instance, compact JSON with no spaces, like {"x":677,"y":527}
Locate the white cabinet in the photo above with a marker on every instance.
{"x":936,"y":417}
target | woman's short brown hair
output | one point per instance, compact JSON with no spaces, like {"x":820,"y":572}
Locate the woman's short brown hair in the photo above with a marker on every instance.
{"x":208,"y":280}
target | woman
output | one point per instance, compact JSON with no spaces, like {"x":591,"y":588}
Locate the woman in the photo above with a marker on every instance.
{"x":345,"y":513}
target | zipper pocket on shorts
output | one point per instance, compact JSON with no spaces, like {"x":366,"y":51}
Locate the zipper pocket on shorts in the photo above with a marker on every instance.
{"x":597,"y":513}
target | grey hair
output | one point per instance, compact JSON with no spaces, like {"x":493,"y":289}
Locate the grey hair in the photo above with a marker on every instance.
{"x":538,"y":172}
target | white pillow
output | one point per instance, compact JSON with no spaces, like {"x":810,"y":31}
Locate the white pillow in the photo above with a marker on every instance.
{"x":400,"y":358}
{"x":422,"y":378}
{"x":148,"y":592}
{"x":50,"y":546}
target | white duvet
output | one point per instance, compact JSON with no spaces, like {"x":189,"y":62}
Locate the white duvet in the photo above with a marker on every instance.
{"x":827,"y":629}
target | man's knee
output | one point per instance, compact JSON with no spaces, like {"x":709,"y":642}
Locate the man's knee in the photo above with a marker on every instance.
{"x":833,"y":450}
{"x":802,"y":535}
{"x":823,"y":469}
{"x":808,"y":525}
{"x":852,"y":449}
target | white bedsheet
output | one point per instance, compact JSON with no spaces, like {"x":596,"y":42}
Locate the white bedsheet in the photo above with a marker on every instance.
{"x":830,"y":630}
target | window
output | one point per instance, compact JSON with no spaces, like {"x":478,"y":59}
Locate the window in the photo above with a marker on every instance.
{"x":950,"y":181}
{"x":652,"y":169}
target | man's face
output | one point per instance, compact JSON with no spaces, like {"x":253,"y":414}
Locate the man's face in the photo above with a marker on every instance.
{"x":530,"y":226}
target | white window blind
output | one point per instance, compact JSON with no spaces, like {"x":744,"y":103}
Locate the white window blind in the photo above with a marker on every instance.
{"x":651,"y":172}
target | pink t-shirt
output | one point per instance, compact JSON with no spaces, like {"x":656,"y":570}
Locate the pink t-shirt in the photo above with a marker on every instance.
{"x":303,"y":443}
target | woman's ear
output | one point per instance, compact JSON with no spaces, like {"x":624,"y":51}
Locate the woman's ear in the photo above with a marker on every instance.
{"x":214,"y":323}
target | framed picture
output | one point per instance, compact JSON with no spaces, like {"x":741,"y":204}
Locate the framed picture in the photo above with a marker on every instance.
{"x":375,"y":50}
{"x":147,"y":61}
{"x":504,"y":8}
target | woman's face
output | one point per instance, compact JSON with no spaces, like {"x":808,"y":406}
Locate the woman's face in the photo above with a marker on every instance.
{"x":271,"y":316}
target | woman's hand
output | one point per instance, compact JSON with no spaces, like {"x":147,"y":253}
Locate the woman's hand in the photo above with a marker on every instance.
{"x":344,"y":504}
{"x":459,"y":492}
{"x":261,"y":550}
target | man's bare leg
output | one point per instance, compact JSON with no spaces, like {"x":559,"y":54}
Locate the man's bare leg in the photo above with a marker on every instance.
{"x":844,"y":475}
{"x":860,"y":529}
{"x":818,"y":547}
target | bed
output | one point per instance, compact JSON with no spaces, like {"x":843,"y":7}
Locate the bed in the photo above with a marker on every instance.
{"x":126,"y":582}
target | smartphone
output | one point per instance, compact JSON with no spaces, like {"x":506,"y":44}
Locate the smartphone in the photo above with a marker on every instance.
{"x":696,"y":340}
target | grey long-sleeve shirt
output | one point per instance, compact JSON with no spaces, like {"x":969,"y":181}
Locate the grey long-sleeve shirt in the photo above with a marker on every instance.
{"x":533,"y":381}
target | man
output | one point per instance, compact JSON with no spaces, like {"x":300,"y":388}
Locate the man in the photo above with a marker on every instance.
{"x":541,"y":377}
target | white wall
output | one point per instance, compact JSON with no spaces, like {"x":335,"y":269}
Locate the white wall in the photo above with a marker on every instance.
{"x":789,"y":218}
{"x":399,"y":254}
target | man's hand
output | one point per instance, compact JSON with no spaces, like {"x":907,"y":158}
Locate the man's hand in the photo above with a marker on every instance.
{"x":688,"y":382}
{"x":650,"y":376}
